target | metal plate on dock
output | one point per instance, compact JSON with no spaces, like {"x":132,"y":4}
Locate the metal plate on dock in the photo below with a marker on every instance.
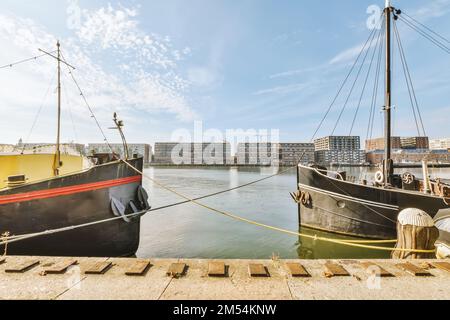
{"x":99,"y":268}
{"x":442,"y":265}
{"x":375,"y":268}
{"x":414,"y":270}
{"x":177,"y":270}
{"x":217,"y":269}
{"x":297,"y":270}
{"x":335,"y":270}
{"x":60,"y":267}
{"x":139,"y":268}
{"x":258,"y":270}
{"x":22,"y":267}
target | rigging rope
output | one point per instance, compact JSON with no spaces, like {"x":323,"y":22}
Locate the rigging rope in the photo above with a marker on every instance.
{"x":353,"y":85}
{"x":88,"y":106}
{"x":343,"y":84}
{"x":44,"y":99}
{"x":423,"y":25}
{"x":375,"y":90}
{"x":426,"y":35}
{"x":366,"y":80}
{"x":412,"y":91}
{"x":239,"y":218}
{"x":23,"y":61}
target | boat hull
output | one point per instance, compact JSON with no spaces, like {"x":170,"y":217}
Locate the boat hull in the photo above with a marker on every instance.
{"x":354,"y":209}
{"x":74,"y":200}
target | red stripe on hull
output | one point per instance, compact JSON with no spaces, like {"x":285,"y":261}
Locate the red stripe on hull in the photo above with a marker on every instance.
{"x":64,"y":191}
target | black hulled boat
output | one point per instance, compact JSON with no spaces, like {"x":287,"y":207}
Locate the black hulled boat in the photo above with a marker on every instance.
{"x":328,"y":202}
{"x":41,"y":191}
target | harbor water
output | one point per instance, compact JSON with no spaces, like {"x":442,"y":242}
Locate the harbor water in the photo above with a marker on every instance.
{"x":189,"y":231}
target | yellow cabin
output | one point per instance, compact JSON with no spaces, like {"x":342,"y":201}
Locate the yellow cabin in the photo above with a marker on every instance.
{"x":37,"y":167}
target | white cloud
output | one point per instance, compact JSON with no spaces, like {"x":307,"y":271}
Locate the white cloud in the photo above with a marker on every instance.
{"x":348,"y":54}
{"x":119,"y":66}
{"x":283,"y":89}
{"x":202,"y":76}
{"x":433,"y":9}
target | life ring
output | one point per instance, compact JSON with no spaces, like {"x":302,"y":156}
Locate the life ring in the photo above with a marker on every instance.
{"x":379,"y":177}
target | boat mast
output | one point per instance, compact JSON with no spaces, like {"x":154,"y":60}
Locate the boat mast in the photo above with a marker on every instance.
{"x":57,"y":160}
{"x":388,"y":163}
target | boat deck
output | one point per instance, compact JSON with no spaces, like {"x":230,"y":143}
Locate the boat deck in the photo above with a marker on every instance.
{"x":162,"y":279}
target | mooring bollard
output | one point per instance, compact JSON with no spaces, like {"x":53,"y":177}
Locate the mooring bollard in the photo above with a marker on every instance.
{"x":415,"y":231}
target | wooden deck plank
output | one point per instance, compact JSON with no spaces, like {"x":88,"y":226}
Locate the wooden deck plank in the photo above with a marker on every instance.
{"x":258,"y":270}
{"x":335,"y":270}
{"x":442,"y":265}
{"x":22,"y":267}
{"x":217,"y":269}
{"x":380,"y":271}
{"x":177,"y":270}
{"x":60,"y":267}
{"x":414,"y":270}
{"x":297,"y":270}
{"x":139,"y":268}
{"x":99,"y":268}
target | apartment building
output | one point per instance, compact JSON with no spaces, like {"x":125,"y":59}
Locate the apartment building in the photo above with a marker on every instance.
{"x":405,"y":143}
{"x":339,"y":150}
{"x":440,"y":144}
{"x":173,"y":153}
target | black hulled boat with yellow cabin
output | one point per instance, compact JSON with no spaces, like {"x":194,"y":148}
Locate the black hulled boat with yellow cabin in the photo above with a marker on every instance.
{"x":56,"y":189}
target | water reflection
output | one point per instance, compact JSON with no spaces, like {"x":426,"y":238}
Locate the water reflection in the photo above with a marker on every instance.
{"x":190,"y":231}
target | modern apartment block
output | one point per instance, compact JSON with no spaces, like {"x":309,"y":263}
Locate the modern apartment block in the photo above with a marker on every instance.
{"x":338,"y":143}
{"x":292,"y":154}
{"x":141,"y":150}
{"x":411,"y":156}
{"x":405,"y":143}
{"x":343,"y":157}
{"x":282,"y":154}
{"x":339,"y":150}
{"x":261,"y":154}
{"x":440,"y":144}
{"x":173,"y":153}
{"x":379,"y":144}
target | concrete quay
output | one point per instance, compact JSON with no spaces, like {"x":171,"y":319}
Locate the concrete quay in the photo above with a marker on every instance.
{"x":49,"y":278}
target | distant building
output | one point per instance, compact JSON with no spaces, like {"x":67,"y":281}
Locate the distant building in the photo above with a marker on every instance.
{"x":379,"y":144}
{"x":134,"y":149}
{"x":339,"y":150}
{"x":174,"y":153}
{"x":342,"y":157}
{"x":410,"y":156}
{"x":338,"y":143}
{"x":440,"y":144}
{"x":268,"y":154}
{"x":292,"y":154}
{"x":65,"y":148}
{"x":258,"y":154}
{"x":6,"y":148}
{"x":406,"y":143}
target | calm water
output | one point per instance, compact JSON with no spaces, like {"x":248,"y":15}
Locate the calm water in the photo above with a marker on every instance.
{"x":190,"y":231}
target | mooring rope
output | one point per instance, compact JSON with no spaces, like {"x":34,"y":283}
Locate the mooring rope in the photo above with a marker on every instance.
{"x":351,"y":243}
{"x":242,"y":219}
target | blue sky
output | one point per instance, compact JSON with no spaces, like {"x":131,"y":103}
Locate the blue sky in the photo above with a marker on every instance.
{"x":250,"y":64}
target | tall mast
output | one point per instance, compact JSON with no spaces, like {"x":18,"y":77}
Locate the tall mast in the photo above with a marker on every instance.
{"x":57,"y":160}
{"x":388,"y":163}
